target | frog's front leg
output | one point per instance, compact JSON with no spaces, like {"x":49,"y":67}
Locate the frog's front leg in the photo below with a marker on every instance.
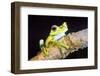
{"x":45,"y":51}
{"x":43,"y":47}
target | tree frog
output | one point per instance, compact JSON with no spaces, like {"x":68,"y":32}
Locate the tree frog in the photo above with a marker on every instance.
{"x":55,"y":34}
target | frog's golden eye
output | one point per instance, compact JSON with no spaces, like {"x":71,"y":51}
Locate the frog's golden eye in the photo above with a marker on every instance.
{"x":54,"y":28}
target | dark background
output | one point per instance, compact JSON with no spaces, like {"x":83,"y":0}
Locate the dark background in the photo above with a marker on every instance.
{"x":39,"y":27}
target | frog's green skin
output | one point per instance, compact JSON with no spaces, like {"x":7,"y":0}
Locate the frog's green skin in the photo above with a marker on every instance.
{"x":55,"y":34}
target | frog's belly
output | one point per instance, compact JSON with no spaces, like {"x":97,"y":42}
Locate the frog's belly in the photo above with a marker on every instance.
{"x":57,"y":37}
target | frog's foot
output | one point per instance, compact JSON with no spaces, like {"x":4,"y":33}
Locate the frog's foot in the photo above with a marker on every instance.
{"x":45,"y":51}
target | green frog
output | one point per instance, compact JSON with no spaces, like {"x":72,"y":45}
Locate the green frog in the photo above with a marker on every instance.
{"x":55,"y":34}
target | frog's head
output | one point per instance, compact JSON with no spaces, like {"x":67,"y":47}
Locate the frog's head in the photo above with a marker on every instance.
{"x":55,"y":30}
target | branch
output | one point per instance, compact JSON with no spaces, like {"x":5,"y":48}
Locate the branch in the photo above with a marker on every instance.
{"x":76,"y":40}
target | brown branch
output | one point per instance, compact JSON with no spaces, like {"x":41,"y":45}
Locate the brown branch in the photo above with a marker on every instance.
{"x":76,"y":40}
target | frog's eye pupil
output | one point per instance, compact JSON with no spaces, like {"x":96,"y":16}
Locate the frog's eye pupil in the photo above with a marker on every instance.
{"x":53,"y":28}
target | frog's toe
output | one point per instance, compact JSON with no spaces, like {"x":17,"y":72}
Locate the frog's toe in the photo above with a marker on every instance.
{"x":45,"y":52}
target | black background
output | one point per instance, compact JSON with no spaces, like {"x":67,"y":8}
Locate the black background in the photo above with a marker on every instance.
{"x":39,"y":28}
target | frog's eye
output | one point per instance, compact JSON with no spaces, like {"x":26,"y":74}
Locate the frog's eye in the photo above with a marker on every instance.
{"x":54,"y":28}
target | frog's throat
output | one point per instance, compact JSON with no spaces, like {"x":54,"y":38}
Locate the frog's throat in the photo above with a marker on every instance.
{"x":57,"y":37}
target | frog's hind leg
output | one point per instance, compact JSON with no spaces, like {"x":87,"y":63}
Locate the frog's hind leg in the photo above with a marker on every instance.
{"x":61,"y":44}
{"x":62,"y":47}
